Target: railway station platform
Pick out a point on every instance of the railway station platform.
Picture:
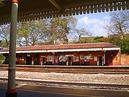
(43, 91)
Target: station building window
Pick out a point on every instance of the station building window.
(75, 58)
(50, 58)
(20, 60)
(62, 58)
(87, 59)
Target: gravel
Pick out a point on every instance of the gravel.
(121, 79)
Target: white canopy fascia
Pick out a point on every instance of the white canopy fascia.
(65, 50)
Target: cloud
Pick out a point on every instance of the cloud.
(87, 20)
(96, 25)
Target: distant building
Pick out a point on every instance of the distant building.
(118, 35)
(87, 39)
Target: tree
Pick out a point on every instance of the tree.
(38, 31)
(60, 28)
(82, 32)
(4, 34)
(32, 32)
(119, 23)
(119, 28)
(23, 32)
(122, 43)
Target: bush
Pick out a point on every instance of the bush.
(2, 58)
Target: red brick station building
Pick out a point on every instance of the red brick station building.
(87, 54)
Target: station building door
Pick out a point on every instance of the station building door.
(100, 61)
(28, 59)
(43, 60)
(69, 60)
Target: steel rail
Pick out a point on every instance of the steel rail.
(71, 69)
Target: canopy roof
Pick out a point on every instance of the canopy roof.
(33, 9)
(66, 48)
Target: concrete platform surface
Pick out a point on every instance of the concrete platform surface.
(42, 91)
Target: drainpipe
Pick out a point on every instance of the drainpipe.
(11, 89)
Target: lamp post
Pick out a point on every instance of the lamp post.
(11, 90)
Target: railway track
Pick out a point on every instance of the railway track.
(20, 82)
(70, 69)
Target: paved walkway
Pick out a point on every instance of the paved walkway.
(41, 91)
(22, 93)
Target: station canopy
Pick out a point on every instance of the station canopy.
(38, 9)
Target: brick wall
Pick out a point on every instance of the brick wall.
(124, 59)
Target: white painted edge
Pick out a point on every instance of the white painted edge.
(64, 50)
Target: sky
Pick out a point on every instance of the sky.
(95, 23)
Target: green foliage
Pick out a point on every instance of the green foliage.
(98, 39)
(3, 43)
(2, 58)
(125, 46)
(32, 32)
(117, 40)
(93, 39)
(119, 28)
(44, 31)
(60, 28)
(86, 40)
(4, 35)
(123, 43)
(51, 31)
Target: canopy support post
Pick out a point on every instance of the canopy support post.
(11, 89)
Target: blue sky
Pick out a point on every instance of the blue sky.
(95, 23)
